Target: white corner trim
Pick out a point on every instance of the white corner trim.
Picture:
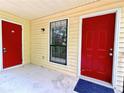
(116, 42)
(1, 52)
(1, 55)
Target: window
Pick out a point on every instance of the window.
(58, 41)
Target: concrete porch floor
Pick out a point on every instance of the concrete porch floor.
(35, 79)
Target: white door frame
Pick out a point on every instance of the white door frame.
(116, 46)
(1, 51)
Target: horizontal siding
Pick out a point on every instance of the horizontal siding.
(120, 68)
(39, 40)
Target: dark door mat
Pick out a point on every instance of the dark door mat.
(84, 86)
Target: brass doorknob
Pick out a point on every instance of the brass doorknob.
(110, 54)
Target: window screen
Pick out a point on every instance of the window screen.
(58, 41)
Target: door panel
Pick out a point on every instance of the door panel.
(12, 44)
(97, 44)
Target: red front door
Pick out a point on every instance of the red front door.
(97, 47)
(12, 44)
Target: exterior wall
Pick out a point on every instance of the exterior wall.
(26, 29)
(40, 45)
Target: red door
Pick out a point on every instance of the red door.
(12, 44)
(97, 47)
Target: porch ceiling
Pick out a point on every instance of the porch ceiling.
(31, 9)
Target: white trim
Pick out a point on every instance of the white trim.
(14, 67)
(116, 47)
(116, 42)
(49, 40)
(1, 53)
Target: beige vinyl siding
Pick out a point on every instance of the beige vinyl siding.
(40, 40)
(120, 69)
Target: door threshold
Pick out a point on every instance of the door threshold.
(12, 67)
(100, 82)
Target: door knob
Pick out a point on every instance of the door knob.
(4, 50)
(110, 54)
